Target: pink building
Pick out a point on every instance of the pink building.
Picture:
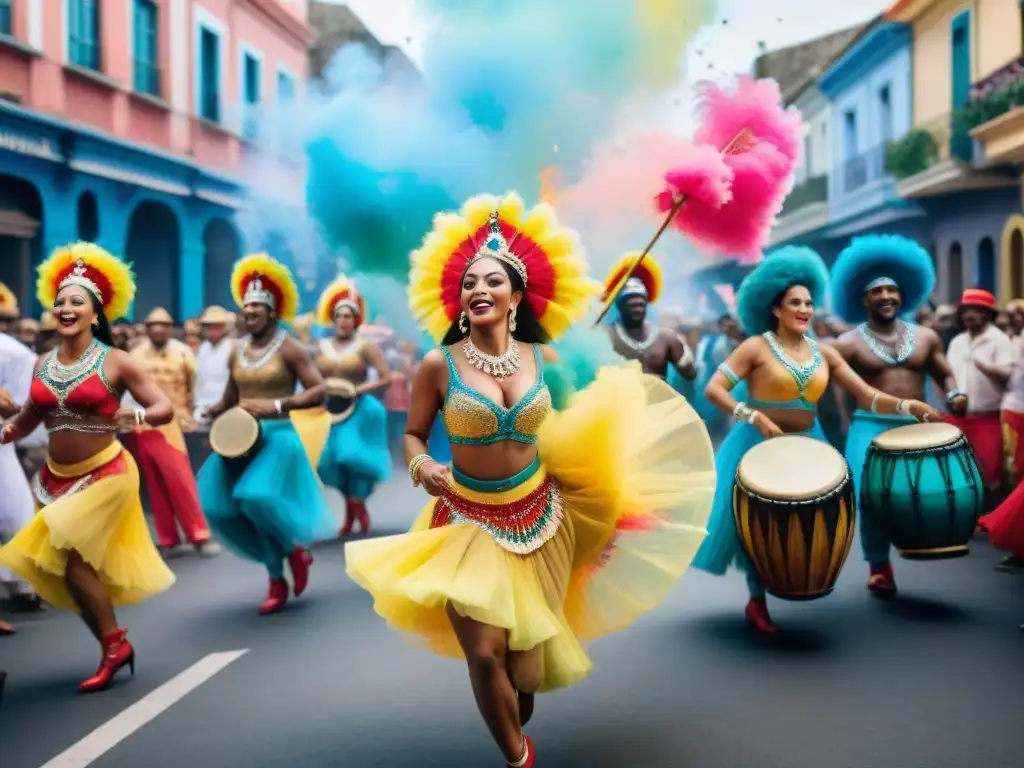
(131, 123)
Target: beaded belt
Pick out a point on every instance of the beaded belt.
(521, 526)
(48, 487)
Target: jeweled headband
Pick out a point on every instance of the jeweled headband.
(497, 247)
(78, 277)
(634, 287)
(347, 303)
(878, 282)
(255, 293)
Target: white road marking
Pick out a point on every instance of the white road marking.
(121, 726)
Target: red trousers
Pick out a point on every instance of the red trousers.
(172, 489)
(984, 431)
(1013, 445)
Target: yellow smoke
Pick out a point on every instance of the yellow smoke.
(549, 184)
(669, 25)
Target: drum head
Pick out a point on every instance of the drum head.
(233, 433)
(341, 399)
(917, 437)
(792, 468)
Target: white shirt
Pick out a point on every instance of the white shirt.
(17, 362)
(992, 347)
(212, 373)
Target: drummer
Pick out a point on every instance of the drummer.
(356, 456)
(875, 281)
(274, 508)
(787, 372)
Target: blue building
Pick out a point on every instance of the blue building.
(869, 87)
(172, 219)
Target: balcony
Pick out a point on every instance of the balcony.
(859, 171)
(805, 210)
(995, 114)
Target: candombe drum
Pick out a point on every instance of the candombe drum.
(793, 503)
(236, 436)
(923, 486)
(341, 399)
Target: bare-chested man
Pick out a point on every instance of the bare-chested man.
(875, 280)
(636, 339)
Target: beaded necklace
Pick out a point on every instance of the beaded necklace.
(905, 344)
(802, 372)
(61, 379)
(629, 341)
(248, 363)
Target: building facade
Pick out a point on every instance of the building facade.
(969, 191)
(133, 123)
(869, 87)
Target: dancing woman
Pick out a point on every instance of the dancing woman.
(356, 457)
(88, 548)
(506, 568)
(275, 507)
(786, 372)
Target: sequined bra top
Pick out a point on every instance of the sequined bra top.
(76, 397)
(266, 377)
(785, 384)
(471, 418)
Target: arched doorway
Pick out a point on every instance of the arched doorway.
(955, 264)
(985, 265)
(1016, 259)
(88, 217)
(21, 240)
(153, 246)
(1011, 261)
(222, 249)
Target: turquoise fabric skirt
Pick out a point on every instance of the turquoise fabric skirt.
(274, 505)
(721, 548)
(865, 426)
(356, 456)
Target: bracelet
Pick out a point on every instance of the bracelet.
(140, 416)
(874, 402)
(903, 407)
(278, 407)
(414, 467)
(753, 417)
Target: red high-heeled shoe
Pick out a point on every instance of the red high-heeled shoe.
(355, 512)
(299, 560)
(529, 756)
(277, 596)
(758, 617)
(117, 653)
(363, 517)
(882, 582)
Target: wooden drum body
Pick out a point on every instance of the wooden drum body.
(236, 436)
(341, 399)
(923, 486)
(793, 504)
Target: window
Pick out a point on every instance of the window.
(850, 134)
(84, 33)
(885, 113)
(285, 86)
(6, 20)
(808, 157)
(251, 93)
(145, 72)
(209, 75)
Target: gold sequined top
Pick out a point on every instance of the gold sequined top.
(262, 380)
(173, 368)
(346, 365)
(470, 418)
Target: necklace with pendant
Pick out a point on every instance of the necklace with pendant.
(629, 341)
(499, 366)
(904, 345)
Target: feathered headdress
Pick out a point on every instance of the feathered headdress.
(648, 274)
(341, 293)
(547, 256)
(874, 260)
(781, 269)
(260, 279)
(8, 301)
(88, 266)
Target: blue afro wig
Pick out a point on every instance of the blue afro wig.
(872, 257)
(780, 270)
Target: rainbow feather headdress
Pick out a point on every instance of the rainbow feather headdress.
(341, 293)
(648, 275)
(8, 301)
(547, 255)
(260, 279)
(87, 265)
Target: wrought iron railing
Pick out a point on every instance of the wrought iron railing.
(860, 170)
(811, 190)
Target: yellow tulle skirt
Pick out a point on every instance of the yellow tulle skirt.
(92, 508)
(616, 505)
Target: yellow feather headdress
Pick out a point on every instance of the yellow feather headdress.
(342, 290)
(8, 301)
(531, 241)
(260, 279)
(648, 273)
(87, 265)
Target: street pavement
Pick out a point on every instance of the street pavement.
(934, 679)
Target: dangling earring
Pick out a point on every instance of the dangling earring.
(95, 323)
(463, 323)
(512, 320)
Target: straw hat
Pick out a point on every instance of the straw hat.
(47, 322)
(216, 315)
(159, 316)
